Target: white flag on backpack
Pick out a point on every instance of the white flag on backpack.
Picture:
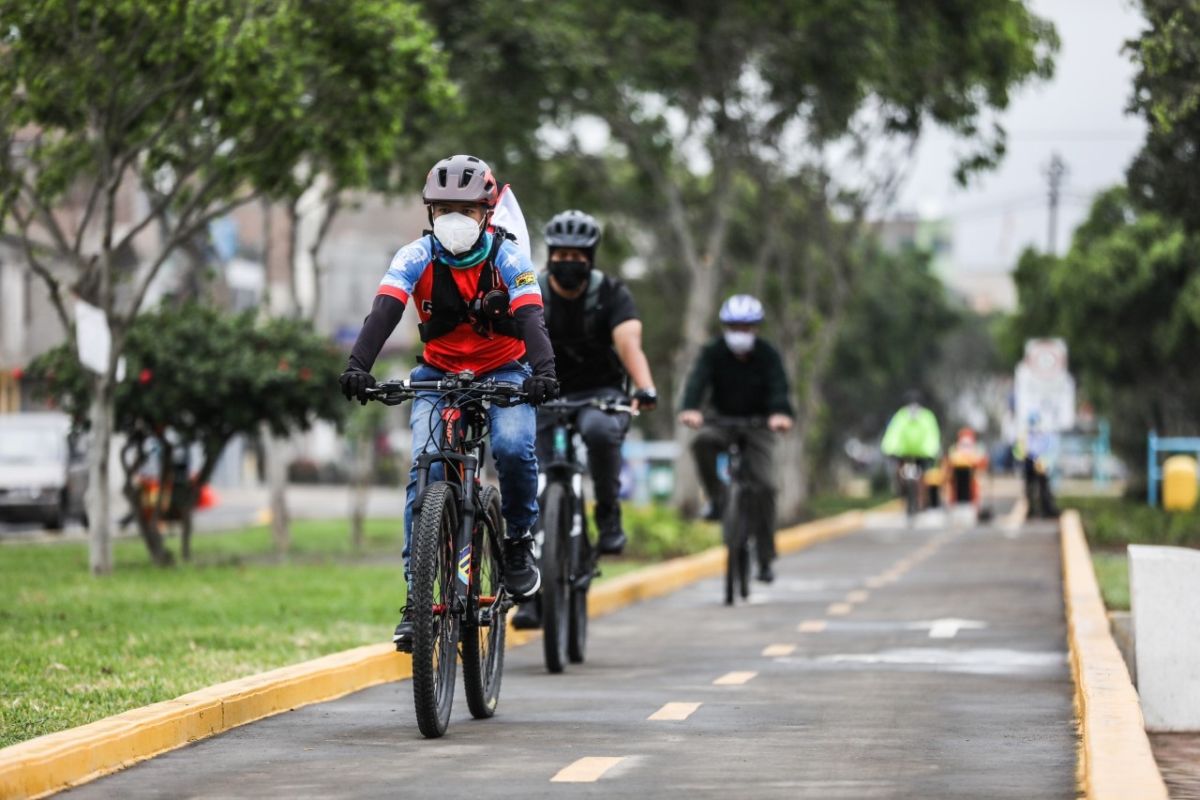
(508, 216)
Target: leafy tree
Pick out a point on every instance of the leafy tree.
(198, 106)
(1166, 94)
(197, 378)
(703, 105)
(1126, 298)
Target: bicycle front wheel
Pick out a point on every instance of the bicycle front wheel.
(435, 626)
(483, 642)
(556, 575)
(734, 534)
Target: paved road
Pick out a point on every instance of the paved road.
(237, 507)
(905, 663)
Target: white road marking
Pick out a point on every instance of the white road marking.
(734, 678)
(947, 628)
(858, 596)
(839, 609)
(586, 770)
(812, 626)
(674, 712)
(776, 650)
(876, 582)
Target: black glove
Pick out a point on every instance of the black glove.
(540, 388)
(647, 399)
(355, 383)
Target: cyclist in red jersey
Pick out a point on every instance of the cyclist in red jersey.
(480, 309)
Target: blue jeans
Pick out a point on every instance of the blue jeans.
(513, 435)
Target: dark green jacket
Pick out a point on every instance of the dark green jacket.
(754, 387)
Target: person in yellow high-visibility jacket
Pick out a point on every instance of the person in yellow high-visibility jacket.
(912, 436)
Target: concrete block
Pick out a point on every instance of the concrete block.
(1164, 587)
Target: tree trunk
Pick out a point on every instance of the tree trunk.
(100, 547)
(276, 452)
(364, 468)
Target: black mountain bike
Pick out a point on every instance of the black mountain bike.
(746, 522)
(456, 559)
(569, 556)
(912, 474)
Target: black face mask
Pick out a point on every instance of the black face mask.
(570, 274)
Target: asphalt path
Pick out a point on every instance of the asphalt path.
(894, 662)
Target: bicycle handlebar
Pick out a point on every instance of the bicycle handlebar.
(737, 423)
(603, 404)
(394, 392)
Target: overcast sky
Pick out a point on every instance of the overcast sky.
(1079, 112)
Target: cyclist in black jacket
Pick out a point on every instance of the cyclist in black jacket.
(741, 376)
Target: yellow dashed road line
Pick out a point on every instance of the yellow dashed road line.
(586, 770)
(734, 678)
(778, 650)
(674, 712)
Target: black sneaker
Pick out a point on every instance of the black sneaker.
(403, 637)
(521, 573)
(612, 538)
(765, 574)
(528, 616)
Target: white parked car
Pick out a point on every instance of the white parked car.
(43, 476)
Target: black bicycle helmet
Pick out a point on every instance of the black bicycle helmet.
(573, 229)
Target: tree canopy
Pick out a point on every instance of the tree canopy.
(196, 378)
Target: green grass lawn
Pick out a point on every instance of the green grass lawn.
(78, 649)
(1112, 573)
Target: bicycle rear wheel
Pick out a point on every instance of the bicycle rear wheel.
(556, 575)
(435, 626)
(581, 559)
(483, 641)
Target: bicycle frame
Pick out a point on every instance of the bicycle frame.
(462, 450)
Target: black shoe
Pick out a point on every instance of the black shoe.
(713, 512)
(528, 616)
(608, 523)
(403, 637)
(521, 574)
(765, 574)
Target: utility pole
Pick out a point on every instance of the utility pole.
(1056, 173)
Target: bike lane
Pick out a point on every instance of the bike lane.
(892, 662)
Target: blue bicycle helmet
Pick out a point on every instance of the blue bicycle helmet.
(741, 309)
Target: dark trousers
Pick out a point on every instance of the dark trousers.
(603, 434)
(1038, 493)
(757, 456)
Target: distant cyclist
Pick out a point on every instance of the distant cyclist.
(740, 375)
(480, 308)
(913, 433)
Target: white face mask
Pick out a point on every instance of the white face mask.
(739, 342)
(456, 232)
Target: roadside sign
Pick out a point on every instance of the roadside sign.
(1045, 387)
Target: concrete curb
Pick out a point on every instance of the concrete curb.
(1115, 759)
(60, 760)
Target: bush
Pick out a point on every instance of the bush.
(657, 532)
(1111, 522)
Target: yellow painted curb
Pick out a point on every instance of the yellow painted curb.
(1115, 760)
(57, 761)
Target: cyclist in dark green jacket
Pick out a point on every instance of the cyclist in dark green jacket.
(740, 375)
